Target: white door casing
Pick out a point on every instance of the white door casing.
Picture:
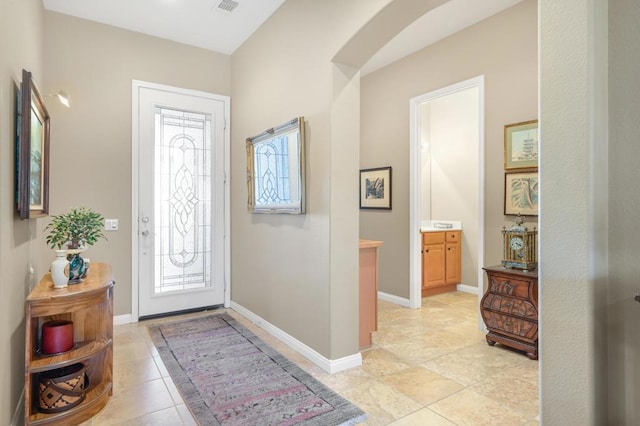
(180, 200)
(415, 161)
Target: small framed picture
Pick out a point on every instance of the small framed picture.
(521, 193)
(375, 188)
(521, 145)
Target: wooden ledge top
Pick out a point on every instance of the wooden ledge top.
(99, 277)
(512, 271)
(370, 243)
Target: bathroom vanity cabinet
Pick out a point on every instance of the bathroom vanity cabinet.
(441, 261)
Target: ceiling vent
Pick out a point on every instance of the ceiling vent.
(228, 5)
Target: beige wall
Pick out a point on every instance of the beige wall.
(300, 272)
(624, 245)
(91, 141)
(509, 65)
(20, 47)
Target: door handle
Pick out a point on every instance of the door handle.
(637, 297)
(145, 221)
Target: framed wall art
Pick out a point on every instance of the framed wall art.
(375, 188)
(32, 164)
(521, 193)
(521, 145)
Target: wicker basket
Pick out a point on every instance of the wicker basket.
(62, 389)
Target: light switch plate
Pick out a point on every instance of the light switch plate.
(111, 224)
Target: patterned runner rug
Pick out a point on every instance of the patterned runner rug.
(228, 376)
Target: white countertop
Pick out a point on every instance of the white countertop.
(440, 225)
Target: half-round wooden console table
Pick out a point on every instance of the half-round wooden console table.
(90, 306)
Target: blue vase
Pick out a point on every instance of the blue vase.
(77, 267)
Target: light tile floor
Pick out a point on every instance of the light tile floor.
(430, 366)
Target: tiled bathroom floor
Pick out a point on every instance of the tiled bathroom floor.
(428, 366)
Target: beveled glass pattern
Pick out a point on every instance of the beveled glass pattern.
(182, 200)
(275, 169)
(272, 172)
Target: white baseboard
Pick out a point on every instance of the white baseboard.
(391, 298)
(122, 319)
(18, 414)
(329, 365)
(467, 289)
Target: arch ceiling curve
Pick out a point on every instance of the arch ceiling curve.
(381, 29)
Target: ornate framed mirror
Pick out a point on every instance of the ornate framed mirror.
(275, 169)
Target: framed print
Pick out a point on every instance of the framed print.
(375, 188)
(521, 193)
(521, 145)
(32, 151)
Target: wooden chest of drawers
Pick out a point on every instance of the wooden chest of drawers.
(509, 309)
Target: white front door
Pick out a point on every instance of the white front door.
(181, 138)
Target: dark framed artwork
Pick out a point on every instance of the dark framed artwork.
(32, 165)
(521, 193)
(375, 188)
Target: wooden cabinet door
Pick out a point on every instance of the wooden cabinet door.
(433, 265)
(453, 264)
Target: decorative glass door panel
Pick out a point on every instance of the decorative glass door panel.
(182, 201)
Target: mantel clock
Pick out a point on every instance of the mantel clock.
(520, 246)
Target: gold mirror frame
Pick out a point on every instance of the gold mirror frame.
(276, 171)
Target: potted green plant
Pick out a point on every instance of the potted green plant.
(75, 231)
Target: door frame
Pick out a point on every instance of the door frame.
(415, 191)
(136, 85)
